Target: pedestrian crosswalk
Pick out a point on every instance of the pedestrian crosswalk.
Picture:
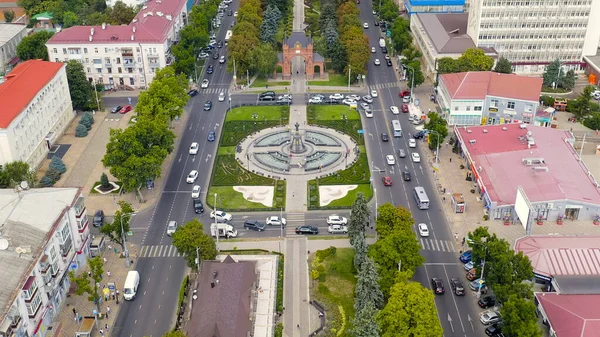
(293, 220)
(159, 251)
(437, 245)
(384, 85)
(213, 91)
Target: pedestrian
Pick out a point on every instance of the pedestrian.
(450, 159)
(108, 273)
(89, 273)
(298, 326)
(74, 312)
(107, 311)
(101, 332)
(113, 295)
(104, 259)
(444, 198)
(106, 327)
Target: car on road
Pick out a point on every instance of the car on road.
(210, 69)
(116, 109)
(221, 96)
(230, 13)
(276, 221)
(373, 50)
(457, 287)
(388, 62)
(203, 55)
(196, 192)
(412, 143)
(283, 101)
(387, 181)
(335, 219)
(267, 93)
(404, 108)
(194, 148)
(266, 98)
(222, 59)
(365, 106)
(377, 62)
(353, 97)
(489, 317)
(486, 302)
(406, 174)
(394, 110)
(336, 96)
(284, 97)
(192, 176)
(337, 229)
(207, 105)
(306, 229)
(221, 216)
(468, 266)
(390, 159)
(125, 109)
(219, 44)
(415, 157)
(198, 207)
(204, 84)
(98, 218)
(171, 228)
(192, 93)
(315, 100)
(374, 93)
(384, 50)
(423, 229)
(438, 285)
(466, 256)
(211, 136)
(368, 99)
(365, 25)
(494, 330)
(401, 153)
(376, 23)
(254, 225)
(385, 137)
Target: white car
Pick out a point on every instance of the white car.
(348, 101)
(221, 97)
(390, 159)
(275, 221)
(368, 99)
(220, 216)
(374, 93)
(336, 220)
(336, 96)
(412, 142)
(235, 14)
(171, 227)
(194, 148)
(377, 62)
(368, 113)
(196, 192)
(406, 99)
(373, 50)
(353, 97)
(191, 178)
(395, 110)
(315, 100)
(423, 230)
(204, 84)
(489, 317)
(337, 229)
(203, 55)
(365, 25)
(415, 157)
(222, 59)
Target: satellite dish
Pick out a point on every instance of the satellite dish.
(3, 244)
(24, 185)
(19, 250)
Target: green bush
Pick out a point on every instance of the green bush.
(104, 181)
(53, 174)
(89, 117)
(86, 123)
(325, 253)
(593, 122)
(81, 131)
(47, 181)
(547, 100)
(182, 291)
(279, 300)
(279, 330)
(58, 164)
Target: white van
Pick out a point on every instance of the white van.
(132, 283)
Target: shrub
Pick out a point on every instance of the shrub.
(81, 131)
(593, 122)
(279, 330)
(547, 100)
(86, 123)
(104, 181)
(58, 164)
(46, 181)
(88, 116)
(53, 174)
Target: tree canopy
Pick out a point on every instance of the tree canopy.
(473, 59)
(90, 284)
(166, 96)
(503, 66)
(191, 236)
(13, 173)
(82, 91)
(519, 315)
(359, 217)
(392, 218)
(33, 47)
(120, 224)
(438, 128)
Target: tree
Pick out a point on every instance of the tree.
(86, 123)
(104, 181)
(33, 47)
(70, 19)
(553, 74)
(520, 318)
(191, 236)
(9, 15)
(58, 164)
(268, 29)
(359, 217)
(503, 66)
(410, 312)
(90, 283)
(81, 131)
(367, 287)
(447, 65)
(474, 59)
(419, 78)
(401, 37)
(119, 227)
(569, 80)
(166, 95)
(120, 14)
(13, 173)
(364, 324)
(437, 125)
(82, 91)
(582, 104)
(263, 59)
(361, 248)
(391, 219)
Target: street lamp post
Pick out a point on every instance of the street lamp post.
(124, 238)
(216, 226)
(375, 191)
(483, 240)
(437, 150)
(412, 81)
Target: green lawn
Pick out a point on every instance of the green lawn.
(331, 112)
(262, 83)
(335, 80)
(228, 199)
(346, 201)
(334, 288)
(245, 113)
(226, 150)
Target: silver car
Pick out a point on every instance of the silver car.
(401, 153)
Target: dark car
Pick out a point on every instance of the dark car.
(401, 153)
(216, 56)
(385, 137)
(389, 63)
(419, 135)
(267, 93)
(254, 225)
(487, 302)
(406, 174)
(494, 330)
(220, 44)
(376, 23)
(211, 136)
(198, 207)
(307, 230)
(230, 13)
(457, 287)
(329, 101)
(98, 218)
(266, 98)
(209, 69)
(207, 105)
(438, 285)
(116, 109)
(384, 50)
(192, 92)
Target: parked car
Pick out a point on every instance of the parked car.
(438, 285)
(368, 99)
(419, 135)
(315, 100)
(116, 109)
(384, 50)
(489, 317)
(254, 225)
(336, 220)
(126, 109)
(404, 93)
(486, 302)
(494, 330)
(353, 97)
(306, 229)
(336, 96)
(468, 266)
(457, 287)
(472, 274)
(388, 62)
(475, 284)
(466, 256)
(221, 216)
(337, 229)
(98, 218)
(171, 228)
(404, 108)
(387, 181)
(276, 221)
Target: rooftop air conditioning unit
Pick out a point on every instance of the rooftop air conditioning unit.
(469, 131)
(485, 131)
(472, 141)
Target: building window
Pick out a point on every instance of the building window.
(106, 50)
(120, 70)
(85, 50)
(34, 305)
(118, 60)
(65, 51)
(54, 50)
(131, 81)
(99, 70)
(494, 103)
(528, 108)
(56, 59)
(456, 108)
(468, 108)
(109, 70)
(510, 105)
(89, 70)
(477, 108)
(96, 50)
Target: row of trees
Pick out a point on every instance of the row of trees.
(328, 44)
(556, 77)
(402, 43)
(353, 39)
(135, 154)
(473, 59)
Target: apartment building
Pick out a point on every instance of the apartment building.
(11, 35)
(36, 110)
(44, 235)
(533, 33)
(128, 56)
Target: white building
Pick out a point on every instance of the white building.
(44, 235)
(10, 36)
(124, 57)
(533, 33)
(36, 109)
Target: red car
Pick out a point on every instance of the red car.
(404, 93)
(404, 108)
(387, 181)
(125, 109)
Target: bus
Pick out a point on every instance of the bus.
(396, 128)
(228, 35)
(421, 197)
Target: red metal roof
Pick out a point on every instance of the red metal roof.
(572, 315)
(479, 84)
(499, 153)
(22, 84)
(151, 24)
(562, 255)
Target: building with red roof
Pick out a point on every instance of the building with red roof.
(124, 57)
(570, 315)
(36, 109)
(485, 97)
(541, 160)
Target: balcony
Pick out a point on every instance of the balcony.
(82, 224)
(128, 63)
(29, 289)
(44, 264)
(79, 208)
(154, 65)
(126, 53)
(65, 248)
(152, 55)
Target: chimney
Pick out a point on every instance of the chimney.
(132, 37)
(91, 31)
(91, 38)
(103, 25)
(134, 29)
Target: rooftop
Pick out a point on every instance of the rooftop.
(10, 30)
(22, 84)
(447, 31)
(151, 24)
(554, 172)
(223, 307)
(554, 256)
(577, 285)
(572, 315)
(26, 218)
(479, 84)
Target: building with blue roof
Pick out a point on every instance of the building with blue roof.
(434, 6)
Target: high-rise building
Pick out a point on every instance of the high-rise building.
(533, 33)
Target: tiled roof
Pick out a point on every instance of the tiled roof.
(22, 84)
(478, 84)
(572, 315)
(151, 24)
(447, 31)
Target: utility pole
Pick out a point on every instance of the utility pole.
(124, 238)
(247, 79)
(234, 77)
(349, 72)
(216, 226)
